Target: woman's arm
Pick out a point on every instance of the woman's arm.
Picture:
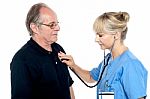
(84, 74)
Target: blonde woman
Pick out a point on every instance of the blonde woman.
(120, 72)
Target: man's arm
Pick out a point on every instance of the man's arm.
(20, 83)
(72, 93)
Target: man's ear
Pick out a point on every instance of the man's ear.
(34, 27)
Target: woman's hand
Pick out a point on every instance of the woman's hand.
(67, 59)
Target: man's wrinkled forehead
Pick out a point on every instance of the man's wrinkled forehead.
(45, 10)
(47, 14)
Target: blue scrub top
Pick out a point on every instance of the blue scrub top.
(125, 76)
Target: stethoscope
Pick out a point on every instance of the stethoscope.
(106, 61)
(105, 64)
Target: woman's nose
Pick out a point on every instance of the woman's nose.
(97, 38)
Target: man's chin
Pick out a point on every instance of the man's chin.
(55, 39)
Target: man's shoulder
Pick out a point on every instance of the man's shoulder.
(23, 51)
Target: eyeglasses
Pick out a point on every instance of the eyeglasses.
(51, 25)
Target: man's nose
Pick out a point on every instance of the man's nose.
(57, 28)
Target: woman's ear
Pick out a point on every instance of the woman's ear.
(117, 35)
(34, 27)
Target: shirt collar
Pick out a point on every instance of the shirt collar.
(36, 46)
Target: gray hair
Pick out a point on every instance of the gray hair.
(33, 15)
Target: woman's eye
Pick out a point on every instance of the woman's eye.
(100, 35)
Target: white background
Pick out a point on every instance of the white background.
(76, 19)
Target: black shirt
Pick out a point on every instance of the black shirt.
(38, 74)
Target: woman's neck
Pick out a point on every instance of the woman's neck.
(118, 50)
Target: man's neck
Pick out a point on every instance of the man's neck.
(43, 43)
